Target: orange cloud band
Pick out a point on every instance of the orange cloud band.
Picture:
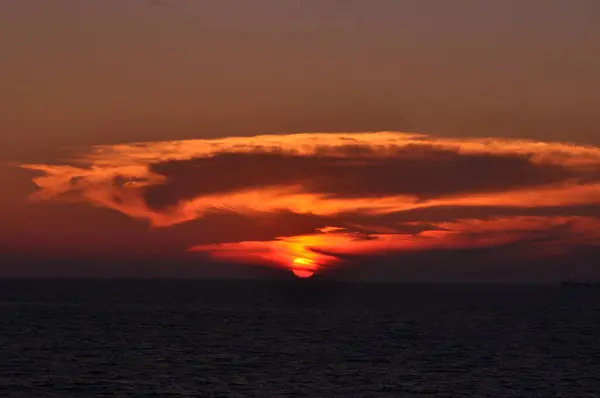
(371, 175)
(544, 235)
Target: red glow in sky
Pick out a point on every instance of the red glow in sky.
(376, 194)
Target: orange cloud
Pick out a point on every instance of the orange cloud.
(341, 177)
(330, 245)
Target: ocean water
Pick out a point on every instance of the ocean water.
(161, 338)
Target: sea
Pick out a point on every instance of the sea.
(296, 338)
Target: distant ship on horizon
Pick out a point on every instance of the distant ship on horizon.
(571, 283)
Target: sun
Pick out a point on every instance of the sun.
(303, 267)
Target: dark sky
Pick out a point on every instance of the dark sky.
(81, 73)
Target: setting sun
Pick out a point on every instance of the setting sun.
(303, 267)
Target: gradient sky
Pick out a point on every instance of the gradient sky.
(75, 74)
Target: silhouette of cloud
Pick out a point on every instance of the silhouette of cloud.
(424, 173)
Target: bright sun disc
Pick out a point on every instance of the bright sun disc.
(303, 267)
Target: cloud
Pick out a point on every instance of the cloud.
(420, 172)
(333, 245)
(375, 192)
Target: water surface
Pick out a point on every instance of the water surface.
(161, 338)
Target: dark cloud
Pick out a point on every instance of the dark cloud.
(428, 215)
(422, 171)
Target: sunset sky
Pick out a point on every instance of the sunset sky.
(415, 140)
